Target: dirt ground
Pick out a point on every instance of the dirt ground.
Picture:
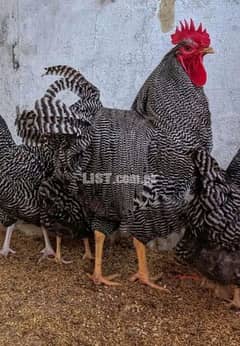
(50, 304)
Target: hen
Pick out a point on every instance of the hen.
(169, 117)
(21, 171)
(212, 240)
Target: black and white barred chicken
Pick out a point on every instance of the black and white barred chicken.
(26, 168)
(212, 239)
(22, 169)
(116, 149)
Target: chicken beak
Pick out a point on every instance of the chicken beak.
(208, 50)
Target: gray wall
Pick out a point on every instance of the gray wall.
(116, 44)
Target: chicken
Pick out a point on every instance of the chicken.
(169, 99)
(221, 267)
(169, 117)
(22, 169)
(212, 239)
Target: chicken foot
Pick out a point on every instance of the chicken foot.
(235, 302)
(87, 250)
(5, 250)
(48, 250)
(142, 274)
(97, 276)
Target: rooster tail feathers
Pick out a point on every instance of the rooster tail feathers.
(87, 105)
(56, 87)
(74, 80)
(51, 116)
(65, 71)
(89, 95)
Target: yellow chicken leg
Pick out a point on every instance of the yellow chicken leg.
(97, 276)
(142, 274)
(235, 303)
(87, 250)
(222, 292)
(58, 256)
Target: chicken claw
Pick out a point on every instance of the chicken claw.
(100, 279)
(6, 245)
(61, 260)
(5, 251)
(147, 281)
(48, 253)
(142, 274)
(235, 302)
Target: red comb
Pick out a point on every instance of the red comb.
(188, 31)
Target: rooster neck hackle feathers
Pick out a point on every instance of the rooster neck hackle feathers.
(173, 103)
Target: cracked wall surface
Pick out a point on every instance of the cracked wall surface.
(116, 44)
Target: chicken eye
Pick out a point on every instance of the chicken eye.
(188, 48)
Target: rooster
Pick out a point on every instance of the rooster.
(169, 117)
(212, 239)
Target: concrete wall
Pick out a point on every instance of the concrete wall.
(116, 44)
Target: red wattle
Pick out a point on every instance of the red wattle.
(195, 69)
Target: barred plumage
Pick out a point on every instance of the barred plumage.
(180, 114)
(59, 206)
(164, 99)
(212, 240)
(21, 173)
(233, 170)
(214, 214)
(51, 116)
(89, 96)
(24, 168)
(33, 130)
